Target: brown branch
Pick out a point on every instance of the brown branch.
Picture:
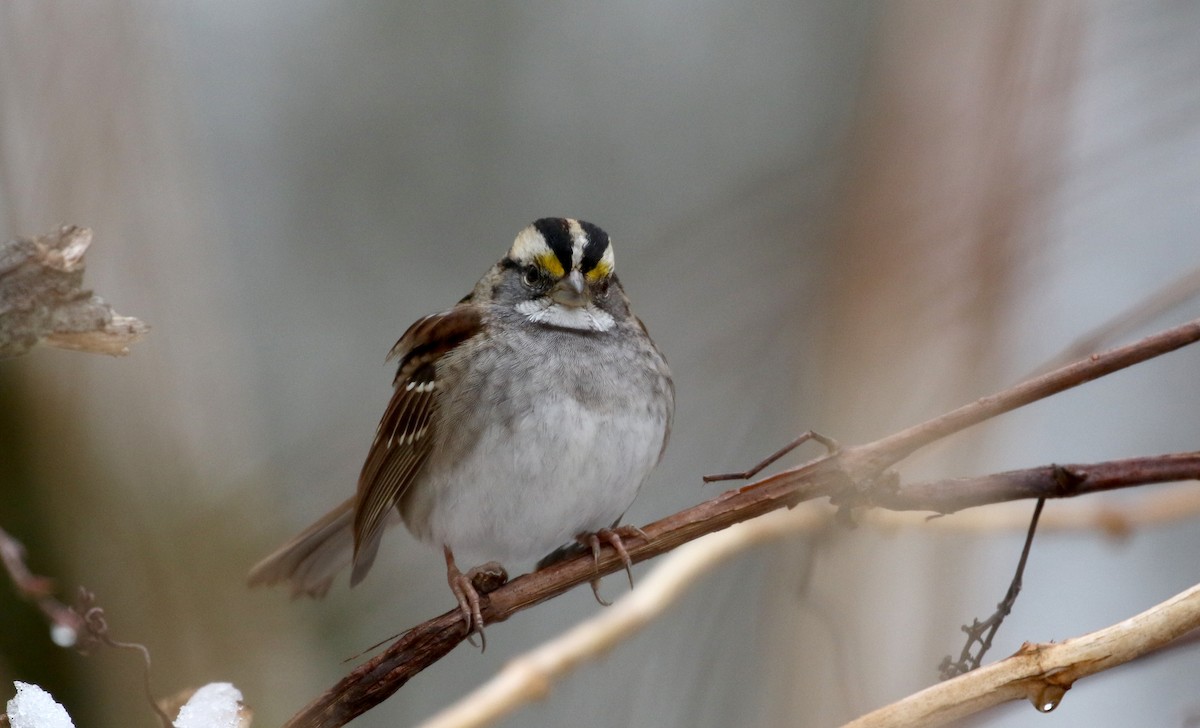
(42, 298)
(845, 475)
(1048, 481)
(1112, 520)
(881, 454)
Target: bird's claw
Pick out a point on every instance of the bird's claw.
(614, 537)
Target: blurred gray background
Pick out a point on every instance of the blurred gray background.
(847, 216)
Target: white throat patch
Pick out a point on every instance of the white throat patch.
(584, 318)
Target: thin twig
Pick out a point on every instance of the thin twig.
(96, 632)
(982, 633)
(841, 475)
(830, 447)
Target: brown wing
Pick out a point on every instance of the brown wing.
(403, 439)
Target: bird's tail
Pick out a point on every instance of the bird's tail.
(309, 561)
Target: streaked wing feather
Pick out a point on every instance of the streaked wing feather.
(403, 438)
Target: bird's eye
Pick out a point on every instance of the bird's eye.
(533, 277)
(601, 289)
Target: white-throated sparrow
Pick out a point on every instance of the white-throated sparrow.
(523, 418)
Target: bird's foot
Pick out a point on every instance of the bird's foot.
(614, 537)
(468, 588)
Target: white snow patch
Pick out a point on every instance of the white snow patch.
(35, 708)
(213, 706)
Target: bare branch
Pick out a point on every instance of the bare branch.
(1112, 520)
(42, 299)
(1048, 481)
(881, 454)
(854, 476)
(1042, 673)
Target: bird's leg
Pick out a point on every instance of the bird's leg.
(467, 589)
(613, 537)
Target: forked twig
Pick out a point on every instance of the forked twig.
(982, 633)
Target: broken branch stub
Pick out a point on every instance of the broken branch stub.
(42, 299)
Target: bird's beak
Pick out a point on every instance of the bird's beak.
(571, 291)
